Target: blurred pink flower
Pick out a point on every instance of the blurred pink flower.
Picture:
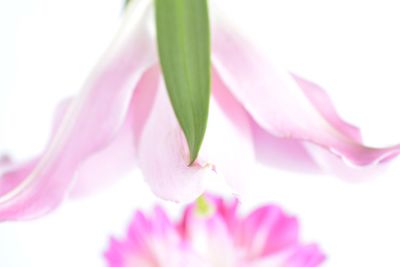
(265, 237)
(123, 119)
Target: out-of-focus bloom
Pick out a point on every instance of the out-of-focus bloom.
(223, 238)
(123, 119)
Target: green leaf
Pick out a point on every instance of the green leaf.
(183, 34)
(126, 3)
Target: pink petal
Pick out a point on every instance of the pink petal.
(119, 157)
(283, 153)
(298, 256)
(114, 160)
(228, 144)
(286, 107)
(215, 239)
(266, 231)
(114, 255)
(5, 161)
(163, 155)
(151, 241)
(163, 152)
(227, 211)
(306, 256)
(321, 101)
(209, 235)
(90, 124)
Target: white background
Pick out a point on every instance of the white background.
(352, 48)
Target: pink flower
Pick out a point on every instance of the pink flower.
(123, 119)
(265, 237)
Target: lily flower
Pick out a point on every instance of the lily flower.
(123, 119)
(223, 238)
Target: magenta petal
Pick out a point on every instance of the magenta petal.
(279, 232)
(306, 256)
(266, 237)
(90, 124)
(289, 108)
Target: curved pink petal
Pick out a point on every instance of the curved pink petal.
(331, 163)
(286, 107)
(268, 148)
(105, 166)
(163, 154)
(228, 143)
(321, 101)
(283, 153)
(163, 151)
(119, 156)
(90, 124)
